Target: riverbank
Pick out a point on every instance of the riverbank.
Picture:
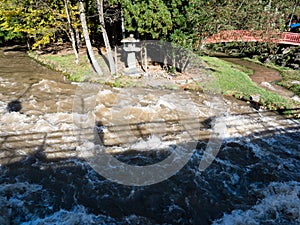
(290, 79)
(233, 79)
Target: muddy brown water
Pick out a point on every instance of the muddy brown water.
(45, 179)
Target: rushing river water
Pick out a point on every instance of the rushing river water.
(44, 178)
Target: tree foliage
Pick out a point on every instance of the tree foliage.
(147, 17)
(186, 22)
(39, 21)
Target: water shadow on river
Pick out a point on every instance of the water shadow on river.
(39, 187)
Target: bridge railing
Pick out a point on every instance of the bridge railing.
(253, 36)
(290, 37)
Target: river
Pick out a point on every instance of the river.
(46, 178)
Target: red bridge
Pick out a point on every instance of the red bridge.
(254, 36)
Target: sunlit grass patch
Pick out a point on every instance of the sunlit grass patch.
(234, 82)
(66, 64)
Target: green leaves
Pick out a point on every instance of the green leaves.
(38, 21)
(186, 22)
(151, 17)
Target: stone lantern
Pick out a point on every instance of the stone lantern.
(130, 48)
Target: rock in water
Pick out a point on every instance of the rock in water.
(14, 106)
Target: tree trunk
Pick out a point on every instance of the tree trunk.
(105, 37)
(71, 31)
(88, 43)
(122, 22)
(78, 37)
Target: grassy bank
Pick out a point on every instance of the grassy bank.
(235, 82)
(233, 79)
(83, 71)
(66, 64)
(290, 78)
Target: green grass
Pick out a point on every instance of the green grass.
(66, 64)
(234, 82)
(290, 77)
(290, 80)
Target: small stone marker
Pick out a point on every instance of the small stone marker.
(130, 48)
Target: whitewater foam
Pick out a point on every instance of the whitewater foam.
(280, 205)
